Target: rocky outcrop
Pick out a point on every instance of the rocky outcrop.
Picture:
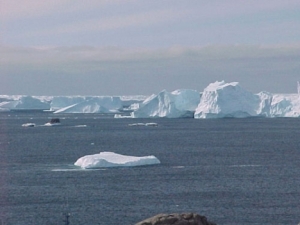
(176, 219)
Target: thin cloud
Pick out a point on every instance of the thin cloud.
(117, 22)
(145, 23)
(14, 9)
(85, 54)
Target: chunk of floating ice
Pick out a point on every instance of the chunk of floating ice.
(51, 124)
(152, 124)
(111, 159)
(28, 125)
(143, 124)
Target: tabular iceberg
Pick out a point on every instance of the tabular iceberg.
(179, 103)
(111, 159)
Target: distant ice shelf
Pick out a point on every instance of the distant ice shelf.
(217, 100)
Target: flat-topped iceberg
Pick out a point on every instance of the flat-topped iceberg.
(111, 159)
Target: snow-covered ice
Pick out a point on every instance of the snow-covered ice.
(111, 159)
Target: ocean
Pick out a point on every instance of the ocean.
(233, 171)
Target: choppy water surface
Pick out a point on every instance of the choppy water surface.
(233, 171)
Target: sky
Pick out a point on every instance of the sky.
(141, 47)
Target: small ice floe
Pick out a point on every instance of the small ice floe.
(53, 122)
(28, 125)
(119, 116)
(80, 126)
(111, 159)
(250, 165)
(143, 124)
(151, 124)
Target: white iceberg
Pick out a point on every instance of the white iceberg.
(222, 99)
(179, 103)
(111, 159)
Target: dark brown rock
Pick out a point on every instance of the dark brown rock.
(176, 219)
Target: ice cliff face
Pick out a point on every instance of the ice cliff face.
(179, 103)
(222, 99)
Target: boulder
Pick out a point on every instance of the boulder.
(176, 219)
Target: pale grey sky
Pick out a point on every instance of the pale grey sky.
(122, 47)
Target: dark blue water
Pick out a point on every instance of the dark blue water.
(233, 171)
